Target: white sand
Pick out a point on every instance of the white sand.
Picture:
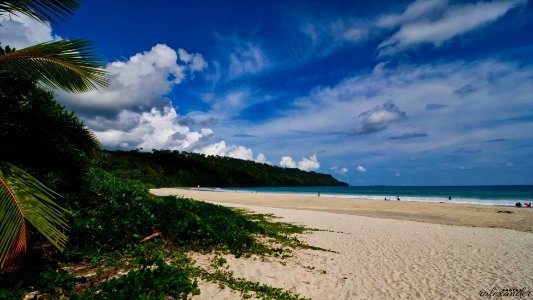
(390, 259)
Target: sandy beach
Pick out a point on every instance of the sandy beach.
(387, 249)
(447, 213)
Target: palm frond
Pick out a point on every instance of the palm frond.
(37, 203)
(69, 65)
(13, 230)
(40, 10)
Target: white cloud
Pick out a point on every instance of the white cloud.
(338, 170)
(326, 36)
(194, 61)
(321, 117)
(416, 10)
(137, 84)
(246, 59)
(306, 164)
(156, 129)
(287, 162)
(420, 24)
(233, 151)
(161, 129)
(22, 31)
(361, 169)
(379, 118)
(261, 158)
(133, 112)
(309, 164)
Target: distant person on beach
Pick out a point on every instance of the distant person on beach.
(518, 204)
(450, 198)
(398, 198)
(319, 194)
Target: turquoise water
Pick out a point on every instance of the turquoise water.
(485, 195)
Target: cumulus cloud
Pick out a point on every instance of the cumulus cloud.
(156, 129)
(287, 162)
(360, 169)
(306, 164)
(261, 158)
(309, 164)
(221, 149)
(435, 22)
(234, 151)
(194, 61)
(137, 84)
(161, 129)
(134, 112)
(379, 118)
(22, 31)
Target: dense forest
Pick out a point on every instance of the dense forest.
(165, 168)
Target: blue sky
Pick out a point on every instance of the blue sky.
(429, 92)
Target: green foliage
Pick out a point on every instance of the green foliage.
(164, 168)
(47, 281)
(247, 287)
(111, 218)
(40, 135)
(123, 212)
(149, 282)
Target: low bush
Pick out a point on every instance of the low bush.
(111, 219)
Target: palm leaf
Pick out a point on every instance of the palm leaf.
(37, 207)
(13, 230)
(69, 65)
(40, 10)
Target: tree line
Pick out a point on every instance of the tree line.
(166, 168)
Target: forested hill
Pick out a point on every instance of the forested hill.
(165, 168)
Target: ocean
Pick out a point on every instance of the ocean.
(506, 195)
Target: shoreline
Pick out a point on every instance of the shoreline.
(458, 214)
(506, 202)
